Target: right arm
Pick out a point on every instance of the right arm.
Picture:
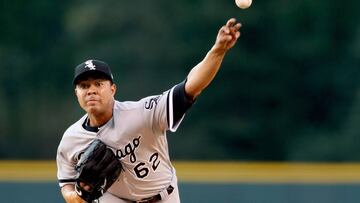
(70, 195)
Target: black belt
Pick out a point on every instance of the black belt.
(155, 198)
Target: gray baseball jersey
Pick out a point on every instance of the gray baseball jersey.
(137, 135)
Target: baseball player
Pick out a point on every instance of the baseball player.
(135, 131)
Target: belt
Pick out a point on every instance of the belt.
(157, 197)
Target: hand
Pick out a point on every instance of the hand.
(74, 198)
(227, 36)
(69, 194)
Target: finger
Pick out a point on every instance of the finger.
(235, 29)
(237, 26)
(225, 30)
(237, 35)
(230, 22)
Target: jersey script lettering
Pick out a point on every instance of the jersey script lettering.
(129, 149)
(152, 102)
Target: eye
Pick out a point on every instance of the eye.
(83, 86)
(99, 84)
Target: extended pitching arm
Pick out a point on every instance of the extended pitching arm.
(204, 72)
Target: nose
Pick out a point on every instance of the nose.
(92, 90)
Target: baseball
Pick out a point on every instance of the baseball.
(243, 4)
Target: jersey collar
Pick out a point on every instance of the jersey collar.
(86, 126)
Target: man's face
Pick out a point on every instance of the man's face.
(95, 96)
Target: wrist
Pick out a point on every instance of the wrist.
(217, 51)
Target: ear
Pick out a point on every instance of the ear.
(75, 91)
(113, 89)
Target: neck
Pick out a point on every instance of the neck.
(99, 119)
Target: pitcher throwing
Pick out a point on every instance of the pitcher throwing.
(135, 133)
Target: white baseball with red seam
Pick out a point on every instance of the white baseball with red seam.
(243, 4)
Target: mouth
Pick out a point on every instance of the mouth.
(92, 100)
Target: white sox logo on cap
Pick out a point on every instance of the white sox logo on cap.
(89, 64)
(94, 67)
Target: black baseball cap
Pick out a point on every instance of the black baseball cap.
(93, 68)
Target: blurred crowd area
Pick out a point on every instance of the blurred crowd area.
(288, 91)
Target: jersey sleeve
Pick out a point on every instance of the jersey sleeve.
(168, 110)
(65, 168)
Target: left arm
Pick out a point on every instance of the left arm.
(204, 72)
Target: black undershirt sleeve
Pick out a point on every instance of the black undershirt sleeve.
(181, 101)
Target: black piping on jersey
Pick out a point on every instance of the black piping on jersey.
(167, 109)
(67, 180)
(181, 103)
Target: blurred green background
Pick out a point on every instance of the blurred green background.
(288, 91)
